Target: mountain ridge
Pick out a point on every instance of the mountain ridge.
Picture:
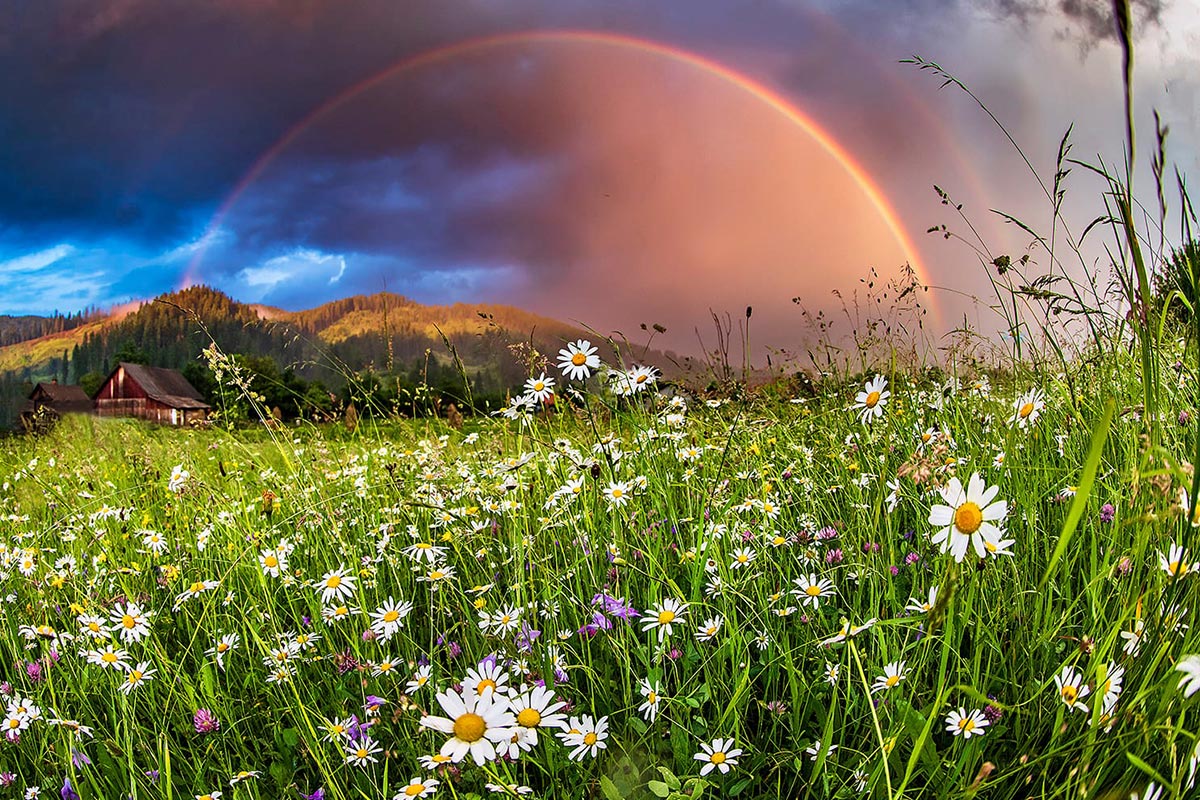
(490, 346)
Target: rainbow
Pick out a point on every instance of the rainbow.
(763, 93)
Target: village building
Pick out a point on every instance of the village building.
(151, 393)
(49, 401)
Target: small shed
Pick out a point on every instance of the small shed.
(49, 401)
(152, 393)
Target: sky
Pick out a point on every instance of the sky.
(612, 163)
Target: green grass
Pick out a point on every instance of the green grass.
(996, 630)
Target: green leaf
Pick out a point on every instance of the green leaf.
(1150, 771)
(669, 777)
(610, 789)
(658, 788)
(739, 787)
(290, 737)
(914, 725)
(1099, 437)
(208, 681)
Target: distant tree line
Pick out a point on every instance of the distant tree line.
(399, 370)
(24, 328)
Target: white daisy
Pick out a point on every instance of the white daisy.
(968, 520)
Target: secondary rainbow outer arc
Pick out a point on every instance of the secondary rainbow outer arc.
(760, 91)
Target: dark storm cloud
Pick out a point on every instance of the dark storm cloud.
(128, 115)
(1089, 21)
(128, 123)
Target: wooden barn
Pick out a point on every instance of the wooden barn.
(152, 393)
(49, 401)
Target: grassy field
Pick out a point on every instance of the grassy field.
(976, 579)
(271, 612)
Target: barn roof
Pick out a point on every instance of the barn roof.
(167, 386)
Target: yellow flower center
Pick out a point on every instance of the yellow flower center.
(361, 752)
(966, 724)
(872, 400)
(94, 627)
(968, 518)
(641, 379)
(590, 739)
(109, 658)
(892, 680)
(134, 676)
(1069, 693)
(539, 386)
(813, 590)
(196, 587)
(436, 575)
(334, 581)
(391, 616)
(486, 683)
(529, 718)
(717, 757)
(666, 617)
(414, 789)
(422, 545)
(1025, 411)
(469, 727)
(1177, 567)
(616, 493)
(14, 723)
(742, 558)
(271, 561)
(652, 698)
(128, 621)
(579, 359)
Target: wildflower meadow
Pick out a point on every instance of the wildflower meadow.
(972, 575)
(921, 588)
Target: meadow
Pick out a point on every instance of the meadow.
(969, 576)
(929, 585)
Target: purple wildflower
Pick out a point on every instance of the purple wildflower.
(834, 556)
(205, 721)
(67, 792)
(1107, 513)
(527, 637)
